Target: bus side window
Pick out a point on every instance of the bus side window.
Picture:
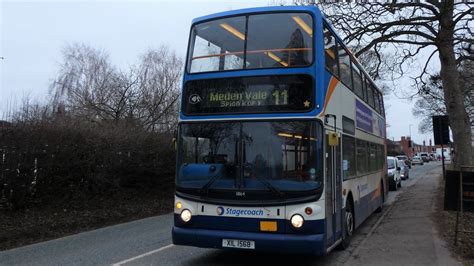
(362, 157)
(373, 157)
(380, 156)
(382, 111)
(330, 51)
(358, 89)
(345, 66)
(366, 88)
(370, 95)
(377, 101)
(348, 157)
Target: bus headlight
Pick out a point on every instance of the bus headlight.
(186, 215)
(297, 221)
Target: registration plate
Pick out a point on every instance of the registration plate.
(236, 243)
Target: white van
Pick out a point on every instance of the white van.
(393, 172)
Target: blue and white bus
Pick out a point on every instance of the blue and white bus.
(281, 140)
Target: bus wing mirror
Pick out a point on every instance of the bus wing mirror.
(333, 139)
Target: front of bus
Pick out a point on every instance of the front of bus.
(250, 154)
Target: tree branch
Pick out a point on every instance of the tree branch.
(461, 15)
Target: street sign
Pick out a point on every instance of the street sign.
(441, 129)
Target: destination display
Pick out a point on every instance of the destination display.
(249, 95)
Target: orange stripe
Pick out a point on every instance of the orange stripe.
(378, 192)
(332, 85)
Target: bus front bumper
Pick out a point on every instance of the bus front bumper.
(204, 238)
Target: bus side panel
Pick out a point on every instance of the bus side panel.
(340, 101)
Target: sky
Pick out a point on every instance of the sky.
(33, 34)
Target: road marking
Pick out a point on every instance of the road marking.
(143, 255)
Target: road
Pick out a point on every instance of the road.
(148, 241)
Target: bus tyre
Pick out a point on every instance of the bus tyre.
(380, 208)
(348, 226)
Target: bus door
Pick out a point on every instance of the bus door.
(333, 188)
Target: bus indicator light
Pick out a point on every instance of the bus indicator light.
(268, 226)
(308, 211)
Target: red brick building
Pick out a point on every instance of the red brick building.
(410, 148)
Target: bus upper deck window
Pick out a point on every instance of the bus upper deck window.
(249, 42)
(330, 51)
(279, 40)
(217, 45)
(345, 66)
(358, 81)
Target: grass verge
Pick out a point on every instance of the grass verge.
(446, 221)
(32, 225)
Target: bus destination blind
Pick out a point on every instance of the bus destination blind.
(249, 95)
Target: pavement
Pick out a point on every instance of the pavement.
(407, 234)
(403, 234)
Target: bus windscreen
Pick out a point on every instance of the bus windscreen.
(249, 95)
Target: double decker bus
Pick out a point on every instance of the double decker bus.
(281, 140)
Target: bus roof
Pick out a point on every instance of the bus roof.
(255, 10)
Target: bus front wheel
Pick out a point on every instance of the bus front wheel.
(348, 226)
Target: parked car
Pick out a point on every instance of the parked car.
(393, 173)
(405, 159)
(404, 170)
(417, 160)
(424, 156)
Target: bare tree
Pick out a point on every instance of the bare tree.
(85, 83)
(429, 103)
(408, 28)
(90, 88)
(431, 100)
(158, 77)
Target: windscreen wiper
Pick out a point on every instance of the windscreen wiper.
(205, 189)
(271, 187)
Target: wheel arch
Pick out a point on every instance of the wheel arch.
(350, 199)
